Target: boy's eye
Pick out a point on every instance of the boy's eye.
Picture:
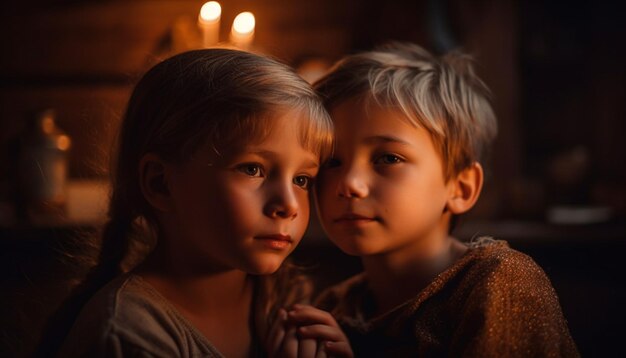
(303, 181)
(253, 170)
(388, 159)
(332, 163)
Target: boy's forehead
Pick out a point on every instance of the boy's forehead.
(371, 125)
(363, 114)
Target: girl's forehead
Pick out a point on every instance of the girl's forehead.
(291, 129)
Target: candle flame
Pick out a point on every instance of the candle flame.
(210, 11)
(244, 23)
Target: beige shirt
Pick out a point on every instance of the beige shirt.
(129, 318)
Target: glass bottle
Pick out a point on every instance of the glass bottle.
(43, 167)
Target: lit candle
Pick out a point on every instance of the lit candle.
(242, 32)
(209, 23)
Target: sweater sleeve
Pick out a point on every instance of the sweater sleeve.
(512, 310)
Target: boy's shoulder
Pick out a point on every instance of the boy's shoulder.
(494, 301)
(493, 264)
(495, 256)
(488, 266)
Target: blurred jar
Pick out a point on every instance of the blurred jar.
(43, 167)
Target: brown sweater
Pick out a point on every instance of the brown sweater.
(493, 302)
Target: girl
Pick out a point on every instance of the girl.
(217, 152)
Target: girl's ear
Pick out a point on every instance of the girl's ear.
(153, 181)
(465, 189)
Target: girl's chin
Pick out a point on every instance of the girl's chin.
(265, 267)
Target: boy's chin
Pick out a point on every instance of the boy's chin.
(357, 249)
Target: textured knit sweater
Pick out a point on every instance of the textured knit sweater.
(493, 302)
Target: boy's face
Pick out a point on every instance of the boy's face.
(250, 209)
(384, 190)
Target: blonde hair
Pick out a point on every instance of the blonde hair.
(443, 95)
(222, 97)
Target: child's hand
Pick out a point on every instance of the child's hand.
(320, 326)
(283, 341)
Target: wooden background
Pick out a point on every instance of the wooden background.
(556, 70)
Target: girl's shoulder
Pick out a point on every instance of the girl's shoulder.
(129, 316)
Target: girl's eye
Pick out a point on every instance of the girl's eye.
(303, 181)
(388, 159)
(253, 170)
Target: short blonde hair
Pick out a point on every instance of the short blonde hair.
(441, 94)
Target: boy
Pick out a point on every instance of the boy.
(410, 131)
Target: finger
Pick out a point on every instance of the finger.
(322, 332)
(321, 350)
(304, 314)
(307, 348)
(338, 349)
(276, 334)
(290, 343)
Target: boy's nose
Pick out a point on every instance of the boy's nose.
(352, 184)
(283, 202)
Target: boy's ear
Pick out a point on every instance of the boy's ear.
(153, 181)
(465, 189)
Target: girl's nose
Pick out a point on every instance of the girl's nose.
(352, 184)
(283, 202)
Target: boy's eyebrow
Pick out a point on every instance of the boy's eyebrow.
(310, 164)
(385, 139)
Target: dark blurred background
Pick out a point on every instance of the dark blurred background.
(555, 181)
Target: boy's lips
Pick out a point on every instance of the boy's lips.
(352, 218)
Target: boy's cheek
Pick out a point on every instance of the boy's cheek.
(327, 179)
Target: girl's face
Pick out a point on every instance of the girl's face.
(248, 209)
(384, 190)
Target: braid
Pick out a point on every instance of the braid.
(116, 238)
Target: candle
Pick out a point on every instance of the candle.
(242, 32)
(209, 23)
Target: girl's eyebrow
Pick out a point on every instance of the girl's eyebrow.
(267, 154)
(385, 139)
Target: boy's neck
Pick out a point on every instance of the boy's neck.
(397, 276)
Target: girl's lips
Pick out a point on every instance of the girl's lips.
(275, 241)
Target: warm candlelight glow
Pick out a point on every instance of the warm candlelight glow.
(63, 142)
(242, 32)
(209, 23)
(47, 125)
(211, 11)
(244, 23)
